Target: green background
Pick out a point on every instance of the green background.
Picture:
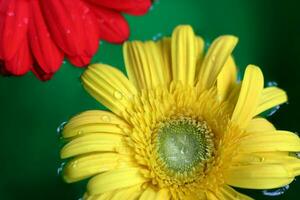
(32, 110)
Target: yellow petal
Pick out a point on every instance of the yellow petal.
(234, 94)
(228, 193)
(264, 176)
(271, 141)
(214, 61)
(85, 166)
(164, 47)
(249, 96)
(291, 163)
(212, 196)
(152, 194)
(95, 121)
(109, 86)
(105, 196)
(259, 124)
(144, 64)
(115, 179)
(183, 54)
(199, 50)
(227, 78)
(93, 142)
(270, 97)
(129, 193)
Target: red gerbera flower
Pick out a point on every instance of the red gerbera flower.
(37, 34)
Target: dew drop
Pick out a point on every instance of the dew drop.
(64, 62)
(157, 36)
(272, 111)
(11, 14)
(276, 192)
(207, 45)
(60, 168)
(74, 165)
(261, 159)
(213, 58)
(272, 83)
(68, 31)
(79, 132)
(118, 95)
(105, 118)
(25, 20)
(86, 10)
(60, 128)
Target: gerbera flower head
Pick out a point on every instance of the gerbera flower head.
(36, 35)
(181, 126)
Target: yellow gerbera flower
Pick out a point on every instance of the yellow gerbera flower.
(181, 126)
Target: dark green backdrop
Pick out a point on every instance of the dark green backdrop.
(30, 110)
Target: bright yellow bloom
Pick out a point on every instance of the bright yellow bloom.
(181, 126)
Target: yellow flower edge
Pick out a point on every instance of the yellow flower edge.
(180, 127)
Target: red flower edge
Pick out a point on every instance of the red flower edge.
(36, 35)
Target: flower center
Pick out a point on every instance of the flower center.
(183, 144)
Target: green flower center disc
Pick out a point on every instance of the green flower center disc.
(184, 143)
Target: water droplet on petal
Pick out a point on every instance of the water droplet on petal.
(86, 10)
(25, 20)
(105, 118)
(276, 192)
(60, 128)
(261, 159)
(68, 31)
(118, 95)
(213, 58)
(79, 132)
(11, 14)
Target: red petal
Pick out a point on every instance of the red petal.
(113, 26)
(133, 7)
(40, 73)
(80, 61)
(73, 27)
(21, 62)
(47, 54)
(14, 17)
